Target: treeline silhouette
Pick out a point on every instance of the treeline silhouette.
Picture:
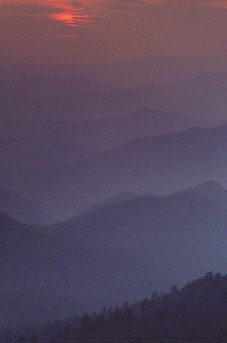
(196, 313)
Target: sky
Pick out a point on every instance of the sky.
(69, 31)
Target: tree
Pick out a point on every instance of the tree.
(34, 338)
(145, 306)
(85, 324)
(22, 339)
(67, 333)
(174, 290)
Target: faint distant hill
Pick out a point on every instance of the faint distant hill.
(202, 96)
(113, 89)
(41, 152)
(193, 86)
(66, 95)
(100, 133)
(211, 190)
(55, 93)
(154, 69)
(109, 132)
(22, 209)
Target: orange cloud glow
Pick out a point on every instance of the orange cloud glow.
(72, 14)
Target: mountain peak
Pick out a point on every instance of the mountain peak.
(211, 190)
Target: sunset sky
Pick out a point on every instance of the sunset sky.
(70, 31)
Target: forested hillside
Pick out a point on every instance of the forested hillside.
(195, 313)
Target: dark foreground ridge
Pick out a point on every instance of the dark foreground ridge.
(196, 313)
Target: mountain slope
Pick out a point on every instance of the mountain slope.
(22, 209)
(40, 268)
(185, 224)
(116, 198)
(211, 190)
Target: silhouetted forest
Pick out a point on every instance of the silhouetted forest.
(195, 313)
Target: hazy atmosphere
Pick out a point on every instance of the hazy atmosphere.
(113, 183)
(52, 32)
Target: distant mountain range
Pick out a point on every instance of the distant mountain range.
(104, 195)
(67, 96)
(97, 133)
(154, 69)
(157, 165)
(30, 95)
(190, 86)
(120, 251)
(123, 170)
